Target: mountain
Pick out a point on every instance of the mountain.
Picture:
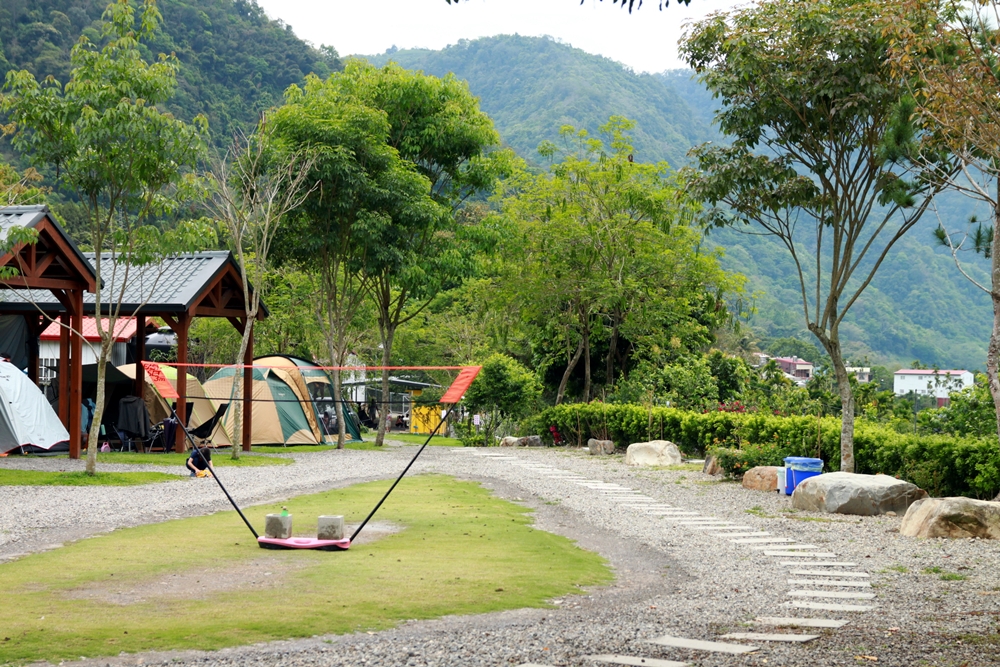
(532, 86)
(234, 61)
(919, 307)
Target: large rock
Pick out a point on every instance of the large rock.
(712, 466)
(530, 441)
(598, 447)
(761, 478)
(952, 517)
(653, 453)
(850, 493)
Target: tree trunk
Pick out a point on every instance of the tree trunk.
(237, 392)
(389, 332)
(94, 435)
(993, 350)
(831, 343)
(338, 407)
(570, 366)
(612, 349)
(586, 361)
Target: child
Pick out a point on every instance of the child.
(200, 462)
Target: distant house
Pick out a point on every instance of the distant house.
(122, 352)
(928, 382)
(863, 374)
(797, 368)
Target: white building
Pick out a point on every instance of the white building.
(928, 382)
(863, 374)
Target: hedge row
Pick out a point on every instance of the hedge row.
(942, 465)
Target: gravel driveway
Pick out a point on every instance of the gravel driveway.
(696, 558)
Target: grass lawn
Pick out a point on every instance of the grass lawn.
(417, 439)
(220, 457)
(39, 478)
(203, 583)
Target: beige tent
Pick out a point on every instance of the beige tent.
(202, 411)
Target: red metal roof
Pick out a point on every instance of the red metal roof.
(124, 329)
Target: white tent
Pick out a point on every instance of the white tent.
(26, 418)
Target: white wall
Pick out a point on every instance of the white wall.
(941, 385)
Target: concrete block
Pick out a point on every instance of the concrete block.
(278, 527)
(330, 528)
(699, 645)
(784, 621)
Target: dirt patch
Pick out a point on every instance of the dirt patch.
(196, 584)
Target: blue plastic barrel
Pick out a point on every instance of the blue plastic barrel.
(798, 468)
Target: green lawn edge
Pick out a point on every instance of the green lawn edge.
(11, 477)
(461, 551)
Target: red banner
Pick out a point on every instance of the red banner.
(461, 383)
(160, 381)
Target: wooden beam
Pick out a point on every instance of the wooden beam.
(21, 282)
(65, 322)
(205, 311)
(237, 324)
(183, 323)
(76, 374)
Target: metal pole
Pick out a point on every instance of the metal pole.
(398, 479)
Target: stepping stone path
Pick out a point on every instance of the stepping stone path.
(824, 575)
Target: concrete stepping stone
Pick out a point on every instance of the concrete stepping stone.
(791, 547)
(806, 563)
(784, 621)
(829, 573)
(760, 533)
(829, 606)
(859, 583)
(763, 540)
(632, 660)
(711, 527)
(702, 522)
(839, 595)
(699, 645)
(670, 513)
(810, 554)
(769, 637)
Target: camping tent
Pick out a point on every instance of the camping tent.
(203, 408)
(27, 421)
(287, 392)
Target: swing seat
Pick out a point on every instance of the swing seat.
(303, 543)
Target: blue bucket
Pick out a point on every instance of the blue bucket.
(798, 468)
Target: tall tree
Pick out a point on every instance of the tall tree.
(254, 187)
(603, 246)
(344, 233)
(958, 65)
(117, 151)
(436, 125)
(823, 155)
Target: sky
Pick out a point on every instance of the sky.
(646, 40)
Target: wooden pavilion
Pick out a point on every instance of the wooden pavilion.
(176, 290)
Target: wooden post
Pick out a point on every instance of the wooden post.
(140, 354)
(248, 391)
(76, 375)
(64, 322)
(183, 322)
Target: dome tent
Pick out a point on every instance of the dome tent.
(286, 391)
(27, 421)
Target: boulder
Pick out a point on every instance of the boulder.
(530, 441)
(712, 466)
(952, 517)
(598, 447)
(509, 441)
(653, 453)
(761, 478)
(850, 493)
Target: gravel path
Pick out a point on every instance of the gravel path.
(677, 575)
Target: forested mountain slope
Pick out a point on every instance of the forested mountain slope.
(918, 308)
(532, 86)
(235, 61)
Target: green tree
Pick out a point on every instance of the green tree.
(345, 231)
(823, 152)
(436, 125)
(602, 246)
(503, 390)
(117, 151)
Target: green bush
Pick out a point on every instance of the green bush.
(942, 465)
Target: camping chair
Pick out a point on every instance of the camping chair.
(187, 414)
(204, 431)
(162, 439)
(127, 438)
